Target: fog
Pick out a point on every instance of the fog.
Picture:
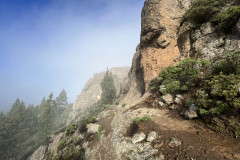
(50, 45)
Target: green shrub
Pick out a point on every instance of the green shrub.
(228, 63)
(171, 87)
(71, 129)
(143, 119)
(146, 119)
(188, 103)
(154, 85)
(61, 144)
(202, 11)
(180, 78)
(137, 120)
(76, 140)
(203, 112)
(227, 19)
(85, 121)
(124, 104)
(72, 153)
(99, 134)
(219, 95)
(125, 91)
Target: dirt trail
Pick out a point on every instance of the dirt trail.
(198, 142)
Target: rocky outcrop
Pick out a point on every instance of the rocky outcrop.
(158, 44)
(206, 42)
(91, 93)
(92, 128)
(39, 153)
(53, 147)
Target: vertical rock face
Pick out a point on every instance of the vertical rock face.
(158, 44)
(137, 87)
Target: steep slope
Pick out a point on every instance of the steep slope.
(92, 91)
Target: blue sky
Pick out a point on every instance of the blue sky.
(48, 45)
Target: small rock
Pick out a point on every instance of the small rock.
(206, 152)
(85, 145)
(161, 104)
(128, 139)
(124, 131)
(138, 137)
(191, 112)
(160, 157)
(152, 136)
(92, 128)
(174, 143)
(158, 145)
(179, 96)
(172, 107)
(178, 100)
(237, 156)
(168, 99)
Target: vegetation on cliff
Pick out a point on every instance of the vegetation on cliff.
(214, 11)
(179, 78)
(216, 93)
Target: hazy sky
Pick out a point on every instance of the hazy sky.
(48, 45)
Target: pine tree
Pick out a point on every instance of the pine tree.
(61, 100)
(3, 133)
(46, 116)
(108, 88)
(15, 118)
(31, 119)
(15, 128)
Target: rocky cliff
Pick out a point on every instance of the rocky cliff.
(158, 44)
(91, 93)
(207, 41)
